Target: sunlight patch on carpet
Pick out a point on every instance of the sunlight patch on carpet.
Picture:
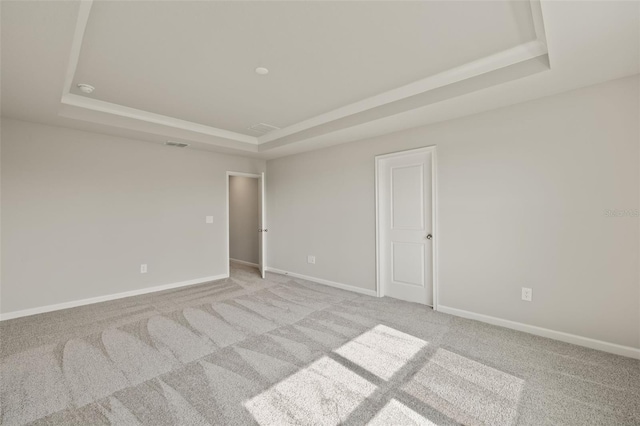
(396, 413)
(324, 393)
(465, 390)
(382, 350)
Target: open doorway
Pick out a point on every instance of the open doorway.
(246, 232)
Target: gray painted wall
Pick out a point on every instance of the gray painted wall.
(522, 194)
(243, 218)
(82, 211)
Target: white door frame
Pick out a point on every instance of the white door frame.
(434, 223)
(229, 174)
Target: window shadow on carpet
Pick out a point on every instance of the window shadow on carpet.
(385, 376)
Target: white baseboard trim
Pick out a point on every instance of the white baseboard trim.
(600, 345)
(91, 300)
(244, 262)
(325, 282)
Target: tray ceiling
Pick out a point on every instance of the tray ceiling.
(185, 70)
(339, 71)
(401, 75)
(195, 61)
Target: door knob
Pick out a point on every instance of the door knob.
(428, 237)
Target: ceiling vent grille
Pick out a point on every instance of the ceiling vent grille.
(176, 144)
(263, 128)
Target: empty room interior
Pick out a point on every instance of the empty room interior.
(320, 212)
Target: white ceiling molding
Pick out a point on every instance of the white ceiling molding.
(110, 109)
(170, 128)
(513, 63)
(76, 44)
(538, 22)
(393, 110)
(503, 60)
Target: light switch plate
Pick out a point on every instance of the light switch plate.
(209, 219)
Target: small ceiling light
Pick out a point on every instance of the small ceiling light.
(262, 71)
(86, 88)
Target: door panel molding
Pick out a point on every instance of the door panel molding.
(420, 192)
(396, 279)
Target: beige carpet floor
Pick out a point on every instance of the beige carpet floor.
(285, 351)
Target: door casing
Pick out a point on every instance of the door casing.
(434, 225)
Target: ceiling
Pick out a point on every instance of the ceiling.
(338, 71)
(196, 60)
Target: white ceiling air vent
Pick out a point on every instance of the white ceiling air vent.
(176, 144)
(263, 128)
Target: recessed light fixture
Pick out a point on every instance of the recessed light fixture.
(176, 144)
(86, 88)
(262, 71)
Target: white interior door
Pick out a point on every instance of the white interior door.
(405, 225)
(262, 226)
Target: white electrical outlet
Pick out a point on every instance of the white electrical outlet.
(311, 259)
(209, 219)
(143, 268)
(527, 293)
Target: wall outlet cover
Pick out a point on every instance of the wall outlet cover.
(143, 268)
(311, 259)
(527, 294)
